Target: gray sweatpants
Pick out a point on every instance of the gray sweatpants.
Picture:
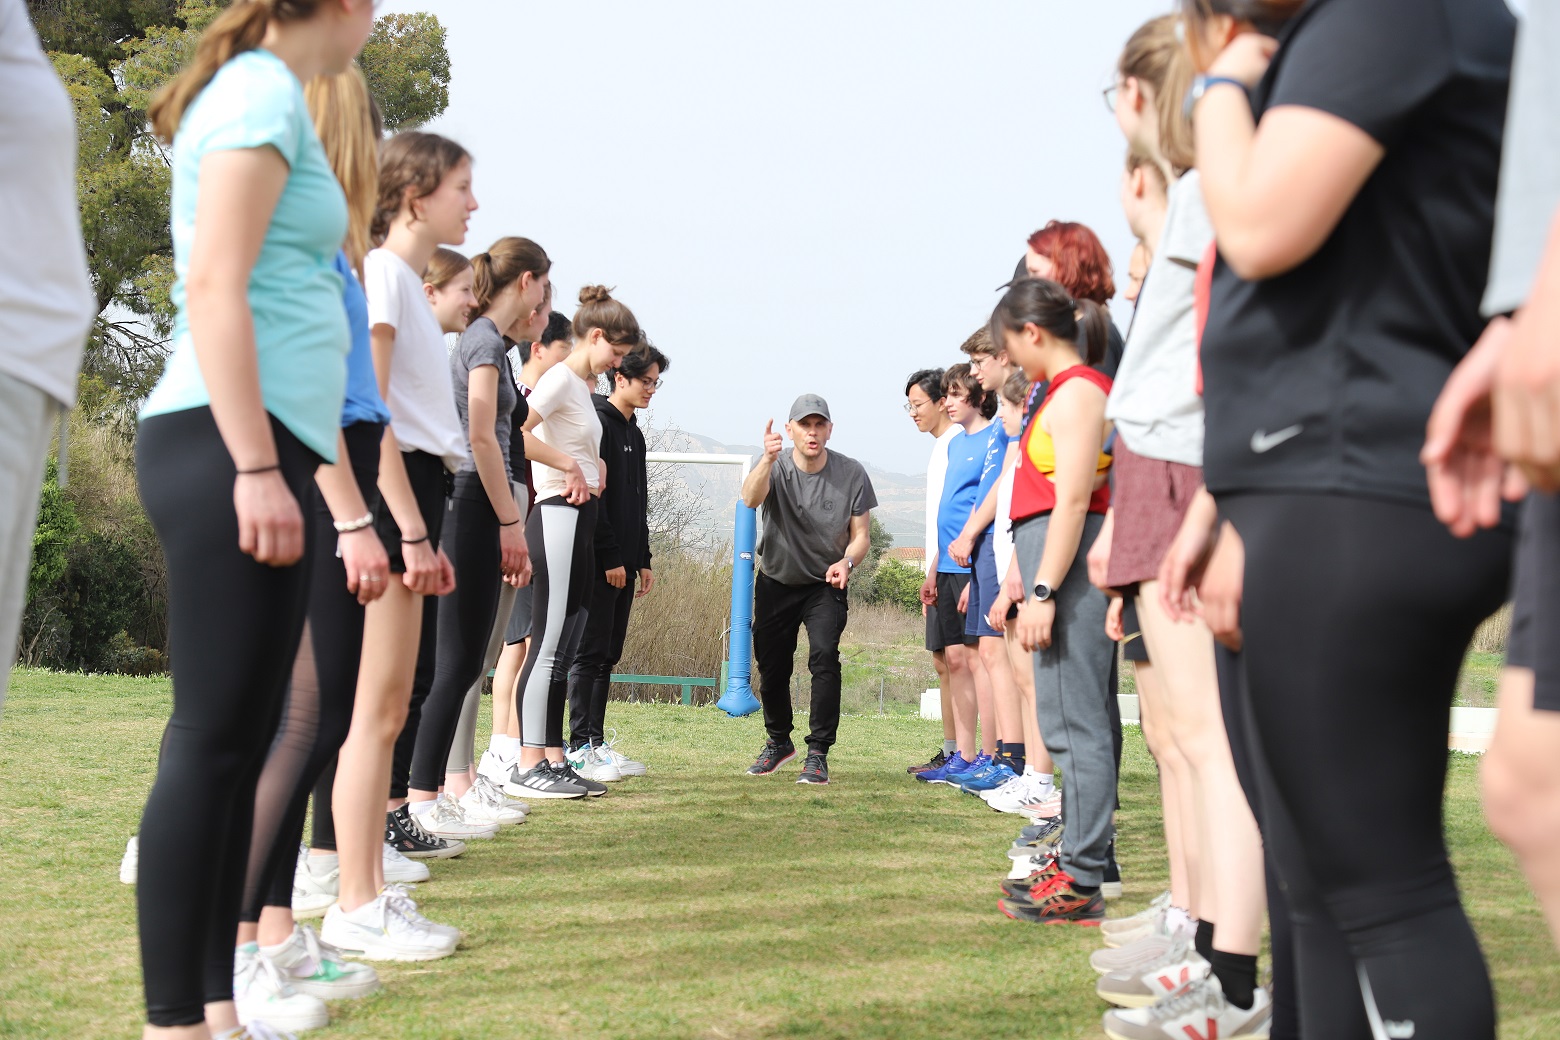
(1073, 692)
(26, 421)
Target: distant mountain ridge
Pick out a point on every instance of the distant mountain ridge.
(901, 497)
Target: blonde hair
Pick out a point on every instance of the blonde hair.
(238, 29)
(343, 115)
(598, 310)
(1158, 58)
(443, 266)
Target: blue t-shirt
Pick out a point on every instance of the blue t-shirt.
(295, 292)
(363, 401)
(991, 468)
(961, 487)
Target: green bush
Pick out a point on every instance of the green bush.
(898, 583)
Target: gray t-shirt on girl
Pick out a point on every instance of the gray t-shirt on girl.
(807, 517)
(482, 344)
(1154, 401)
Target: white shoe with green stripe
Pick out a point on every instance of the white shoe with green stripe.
(319, 969)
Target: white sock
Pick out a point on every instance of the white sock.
(320, 864)
(423, 808)
(1178, 920)
(496, 744)
(510, 748)
(1047, 778)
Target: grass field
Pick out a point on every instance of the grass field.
(696, 903)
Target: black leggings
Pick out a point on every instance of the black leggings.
(562, 540)
(233, 629)
(431, 485)
(1357, 614)
(600, 647)
(318, 710)
(465, 620)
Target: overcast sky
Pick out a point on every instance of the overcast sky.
(799, 197)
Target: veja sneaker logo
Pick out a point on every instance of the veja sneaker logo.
(1211, 1034)
(1169, 983)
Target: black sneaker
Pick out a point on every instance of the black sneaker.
(815, 770)
(771, 758)
(541, 782)
(1110, 886)
(1043, 844)
(937, 761)
(404, 834)
(567, 773)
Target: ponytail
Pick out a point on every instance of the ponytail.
(1094, 327)
(503, 264)
(1048, 306)
(238, 29)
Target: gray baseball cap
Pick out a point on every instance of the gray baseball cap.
(809, 404)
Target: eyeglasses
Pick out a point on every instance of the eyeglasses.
(1109, 94)
(980, 361)
(649, 385)
(911, 407)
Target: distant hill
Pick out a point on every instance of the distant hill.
(711, 491)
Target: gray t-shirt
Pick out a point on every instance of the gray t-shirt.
(1154, 401)
(1529, 162)
(482, 344)
(807, 517)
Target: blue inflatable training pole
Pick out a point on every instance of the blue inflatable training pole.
(738, 699)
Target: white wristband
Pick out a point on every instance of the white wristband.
(348, 526)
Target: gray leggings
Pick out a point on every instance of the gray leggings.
(562, 570)
(463, 750)
(1073, 694)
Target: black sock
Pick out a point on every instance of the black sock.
(1237, 975)
(1000, 752)
(1085, 890)
(1015, 757)
(1204, 940)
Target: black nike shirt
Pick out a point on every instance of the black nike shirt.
(1322, 378)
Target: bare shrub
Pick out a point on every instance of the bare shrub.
(679, 629)
(1492, 635)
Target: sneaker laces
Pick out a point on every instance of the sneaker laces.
(489, 793)
(415, 829)
(1190, 996)
(399, 903)
(257, 965)
(318, 950)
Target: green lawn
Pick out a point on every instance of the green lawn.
(696, 903)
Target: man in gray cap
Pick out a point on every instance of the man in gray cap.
(817, 522)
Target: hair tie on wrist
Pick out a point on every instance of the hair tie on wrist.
(414, 541)
(262, 469)
(510, 524)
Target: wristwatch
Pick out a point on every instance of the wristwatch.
(1200, 87)
(1043, 591)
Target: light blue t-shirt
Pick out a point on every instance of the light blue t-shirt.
(961, 485)
(295, 293)
(363, 402)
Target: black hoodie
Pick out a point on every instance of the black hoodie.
(622, 525)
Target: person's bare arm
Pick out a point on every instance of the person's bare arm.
(424, 569)
(860, 544)
(488, 457)
(1274, 190)
(362, 554)
(755, 488)
(576, 491)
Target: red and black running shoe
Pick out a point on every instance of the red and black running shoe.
(1058, 902)
(935, 762)
(771, 758)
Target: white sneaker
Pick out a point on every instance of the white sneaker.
(446, 820)
(625, 765)
(316, 883)
(1119, 931)
(1196, 1009)
(382, 930)
(497, 791)
(401, 896)
(589, 763)
(1012, 796)
(486, 805)
(263, 994)
(130, 865)
(1022, 868)
(495, 767)
(1152, 979)
(400, 870)
(318, 968)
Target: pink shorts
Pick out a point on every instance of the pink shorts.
(1150, 499)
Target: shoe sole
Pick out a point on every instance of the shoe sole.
(305, 913)
(453, 850)
(291, 1023)
(329, 991)
(530, 793)
(770, 772)
(1087, 922)
(407, 879)
(814, 783)
(401, 956)
(1126, 1001)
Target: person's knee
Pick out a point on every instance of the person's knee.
(1522, 796)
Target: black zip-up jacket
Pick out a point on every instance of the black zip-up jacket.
(622, 524)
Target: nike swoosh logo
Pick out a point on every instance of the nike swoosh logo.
(1263, 442)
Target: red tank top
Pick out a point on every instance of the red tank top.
(1034, 492)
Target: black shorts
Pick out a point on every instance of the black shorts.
(431, 484)
(1133, 648)
(945, 617)
(1535, 620)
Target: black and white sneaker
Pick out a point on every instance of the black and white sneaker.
(771, 758)
(815, 770)
(593, 788)
(541, 782)
(406, 836)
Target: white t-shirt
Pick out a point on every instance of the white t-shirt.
(1154, 401)
(936, 471)
(1002, 543)
(422, 396)
(570, 424)
(46, 301)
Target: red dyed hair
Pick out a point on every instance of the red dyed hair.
(1082, 266)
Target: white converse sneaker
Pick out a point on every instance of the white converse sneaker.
(625, 765)
(486, 805)
(401, 896)
(446, 820)
(130, 865)
(382, 930)
(316, 883)
(318, 968)
(496, 791)
(495, 767)
(1196, 1009)
(263, 994)
(400, 870)
(587, 762)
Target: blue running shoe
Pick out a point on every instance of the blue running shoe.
(988, 779)
(957, 777)
(955, 764)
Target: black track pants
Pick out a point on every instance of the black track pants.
(465, 619)
(779, 611)
(318, 711)
(1357, 614)
(562, 542)
(600, 649)
(233, 628)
